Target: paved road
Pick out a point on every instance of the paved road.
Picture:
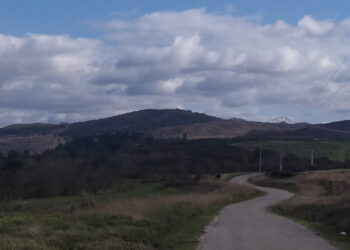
(248, 226)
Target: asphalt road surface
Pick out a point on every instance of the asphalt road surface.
(248, 226)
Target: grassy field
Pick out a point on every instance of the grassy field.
(129, 216)
(334, 150)
(322, 202)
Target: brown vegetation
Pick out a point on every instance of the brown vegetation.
(322, 197)
(201, 195)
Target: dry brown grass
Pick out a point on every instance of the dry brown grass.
(200, 197)
(322, 197)
(324, 187)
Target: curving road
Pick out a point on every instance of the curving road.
(248, 226)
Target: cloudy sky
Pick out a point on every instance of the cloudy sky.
(77, 60)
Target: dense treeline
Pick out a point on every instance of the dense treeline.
(93, 163)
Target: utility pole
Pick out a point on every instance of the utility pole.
(312, 158)
(260, 163)
(281, 154)
(282, 122)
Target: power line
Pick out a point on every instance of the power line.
(330, 80)
(337, 105)
(332, 95)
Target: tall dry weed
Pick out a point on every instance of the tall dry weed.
(200, 198)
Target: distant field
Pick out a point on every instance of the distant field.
(336, 151)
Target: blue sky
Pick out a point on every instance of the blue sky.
(64, 61)
(73, 16)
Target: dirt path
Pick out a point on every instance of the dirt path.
(248, 226)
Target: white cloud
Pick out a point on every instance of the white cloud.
(316, 27)
(221, 64)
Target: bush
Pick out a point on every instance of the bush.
(278, 174)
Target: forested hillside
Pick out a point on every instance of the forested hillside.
(97, 162)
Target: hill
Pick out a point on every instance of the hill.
(139, 121)
(339, 125)
(163, 124)
(30, 129)
(34, 137)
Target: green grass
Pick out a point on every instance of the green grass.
(9, 223)
(52, 223)
(187, 236)
(77, 222)
(334, 150)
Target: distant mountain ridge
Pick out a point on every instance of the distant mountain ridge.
(34, 137)
(30, 129)
(143, 121)
(161, 124)
(339, 125)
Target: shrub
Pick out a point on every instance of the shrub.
(278, 174)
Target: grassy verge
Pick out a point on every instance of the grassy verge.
(187, 236)
(137, 216)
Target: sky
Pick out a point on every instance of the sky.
(66, 61)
